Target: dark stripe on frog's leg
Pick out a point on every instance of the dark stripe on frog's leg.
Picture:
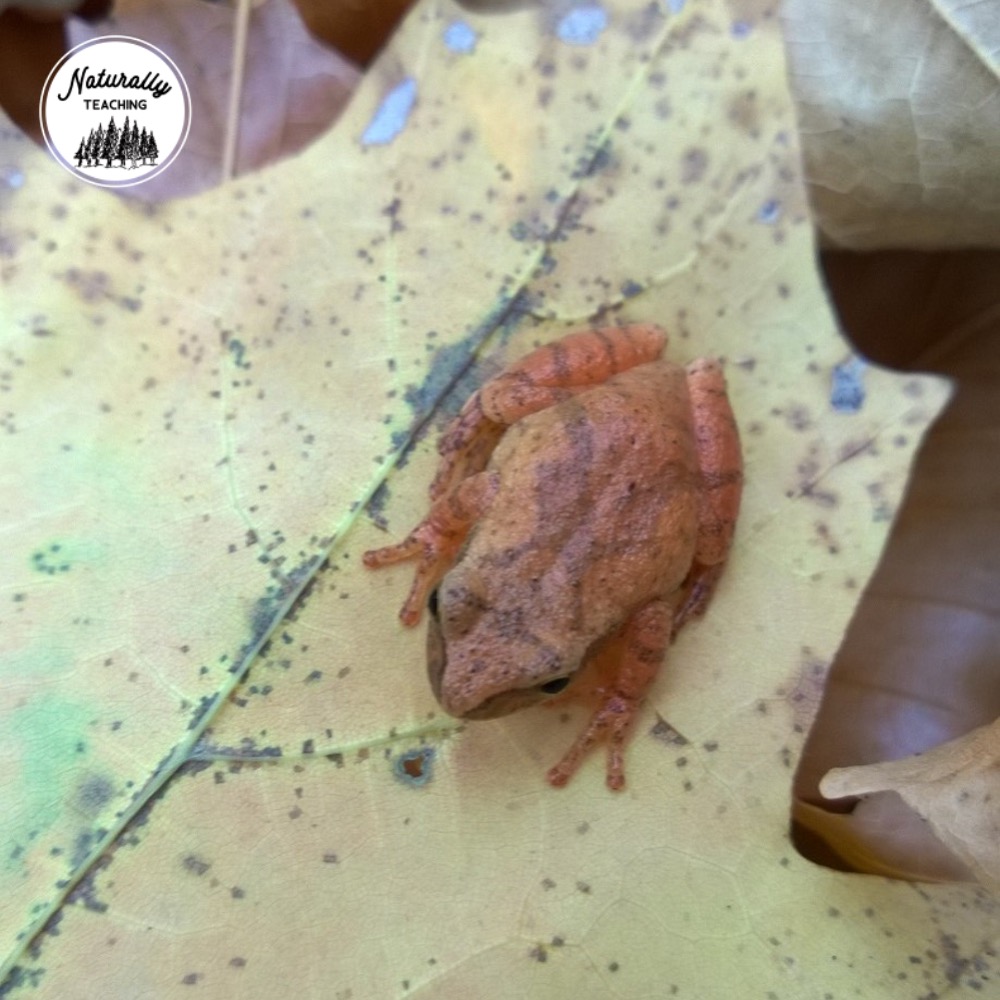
(611, 353)
(562, 373)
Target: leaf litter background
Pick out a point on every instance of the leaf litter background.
(201, 396)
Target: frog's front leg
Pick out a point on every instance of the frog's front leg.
(435, 541)
(546, 376)
(720, 461)
(643, 644)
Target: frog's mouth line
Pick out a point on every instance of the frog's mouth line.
(502, 703)
(505, 703)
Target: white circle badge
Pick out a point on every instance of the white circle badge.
(115, 111)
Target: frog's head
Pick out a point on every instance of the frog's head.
(485, 660)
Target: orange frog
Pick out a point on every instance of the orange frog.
(583, 509)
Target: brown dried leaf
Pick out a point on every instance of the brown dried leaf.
(918, 664)
(900, 118)
(954, 787)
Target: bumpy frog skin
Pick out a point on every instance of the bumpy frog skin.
(583, 509)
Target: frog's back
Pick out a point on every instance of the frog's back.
(596, 511)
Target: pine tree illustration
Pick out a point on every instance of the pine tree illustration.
(109, 148)
(121, 153)
(112, 143)
(133, 145)
(94, 145)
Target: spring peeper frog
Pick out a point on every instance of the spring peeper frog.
(583, 509)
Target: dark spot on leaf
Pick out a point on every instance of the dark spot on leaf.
(414, 768)
(85, 891)
(93, 794)
(195, 865)
(693, 165)
(666, 733)
(83, 846)
(597, 158)
(744, 113)
(205, 705)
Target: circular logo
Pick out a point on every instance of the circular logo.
(115, 111)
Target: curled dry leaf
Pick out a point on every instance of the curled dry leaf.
(897, 105)
(918, 664)
(954, 787)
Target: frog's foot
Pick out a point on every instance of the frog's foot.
(643, 642)
(436, 540)
(613, 720)
(421, 542)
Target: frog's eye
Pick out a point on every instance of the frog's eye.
(554, 686)
(432, 603)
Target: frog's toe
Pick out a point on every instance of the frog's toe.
(390, 554)
(611, 721)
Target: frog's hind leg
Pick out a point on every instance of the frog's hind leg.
(465, 447)
(642, 644)
(435, 541)
(546, 376)
(574, 363)
(720, 461)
